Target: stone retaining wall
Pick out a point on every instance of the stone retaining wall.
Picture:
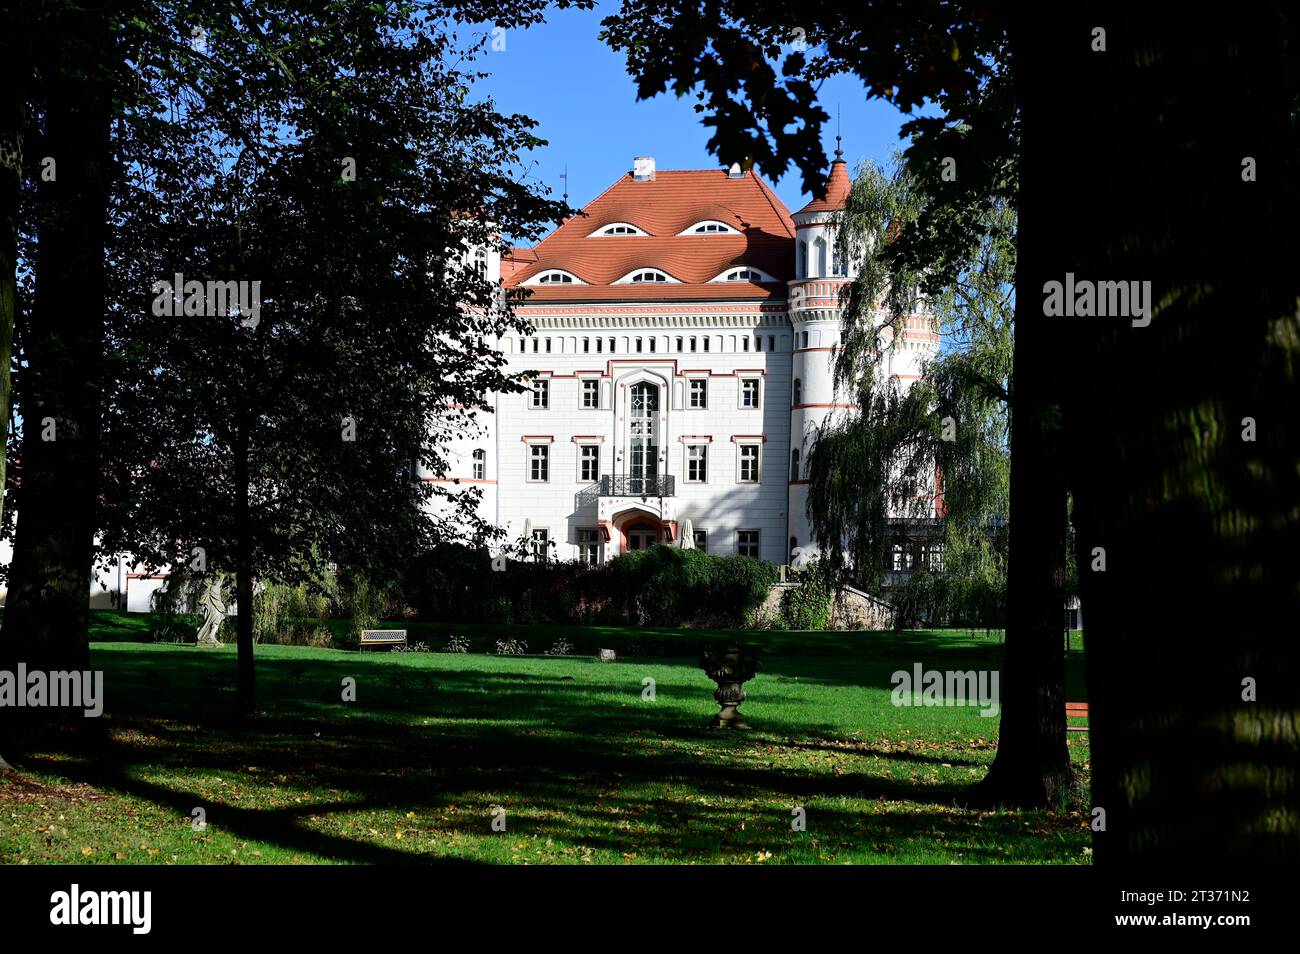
(853, 609)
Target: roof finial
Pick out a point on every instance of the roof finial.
(565, 177)
(839, 153)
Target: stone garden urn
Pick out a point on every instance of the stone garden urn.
(730, 667)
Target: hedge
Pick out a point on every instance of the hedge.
(658, 586)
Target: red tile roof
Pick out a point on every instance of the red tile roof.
(514, 262)
(664, 206)
(835, 193)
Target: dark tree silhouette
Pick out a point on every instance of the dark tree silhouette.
(1171, 158)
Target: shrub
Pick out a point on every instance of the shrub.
(451, 581)
(808, 604)
(740, 585)
(659, 586)
(356, 600)
(412, 648)
(172, 622)
(291, 615)
(668, 586)
(177, 611)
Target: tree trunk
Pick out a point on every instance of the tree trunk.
(14, 81)
(46, 618)
(1185, 432)
(244, 576)
(1032, 766)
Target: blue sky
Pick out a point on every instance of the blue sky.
(578, 89)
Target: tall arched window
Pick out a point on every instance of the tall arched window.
(819, 249)
(794, 464)
(643, 437)
(480, 464)
(798, 392)
(801, 261)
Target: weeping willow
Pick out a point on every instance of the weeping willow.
(878, 467)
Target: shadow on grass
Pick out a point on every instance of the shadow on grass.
(567, 756)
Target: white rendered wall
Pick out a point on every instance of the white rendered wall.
(722, 505)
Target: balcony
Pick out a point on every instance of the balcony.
(623, 486)
(614, 488)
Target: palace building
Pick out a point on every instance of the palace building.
(679, 366)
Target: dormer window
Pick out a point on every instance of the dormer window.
(710, 227)
(618, 228)
(645, 276)
(744, 274)
(555, 276)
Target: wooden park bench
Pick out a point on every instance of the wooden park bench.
(1076, 710)
(382, 637)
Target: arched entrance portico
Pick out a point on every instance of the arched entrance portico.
(637, 529)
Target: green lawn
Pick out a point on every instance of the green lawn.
(586, 770)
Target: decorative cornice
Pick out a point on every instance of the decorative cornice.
(642, 320)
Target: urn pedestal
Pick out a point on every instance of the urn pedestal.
(730, 667)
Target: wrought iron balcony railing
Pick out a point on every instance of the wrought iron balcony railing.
(623, 486)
